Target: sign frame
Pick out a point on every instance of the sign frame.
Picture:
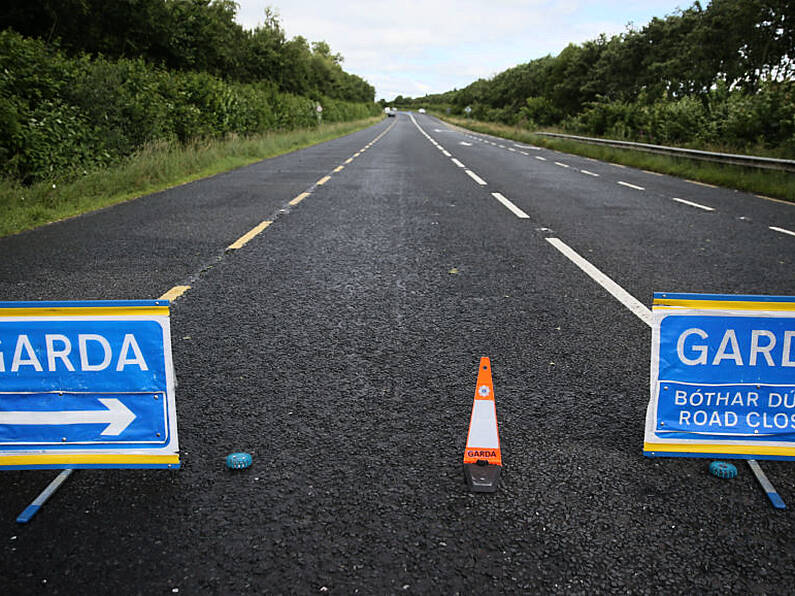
(758, 381)
(56, 395)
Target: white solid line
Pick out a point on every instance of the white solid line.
(476, 178)
(624, 297)
(541, 158)
(513, 208)
(782, 230)
(692, 204)
(589, 173)
(622, 183)
(458, 163)
(562, 165)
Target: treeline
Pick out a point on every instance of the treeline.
(68, 107)
(720, 75)
(188, 35)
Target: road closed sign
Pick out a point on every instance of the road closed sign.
(722, 377)
(87, 385)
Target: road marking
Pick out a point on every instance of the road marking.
(562, 165)
(590, 173)
(513, 208)
(174, 293)
(476, 178)
(299, 198)
(618, 165)
(339, 168)
(511, 149)
(652, 173)
(349, 160)
(782, 230)
(538, 157)
(619, 293)
(323, 180)
(241, 242)
(447, 153)
(465, 144)
(524, 153)
(458, 163)
(692, 204)
(502, 146)
(627, 184)
(357, 154)
(701, 183)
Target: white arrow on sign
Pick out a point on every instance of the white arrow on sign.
(117, 416)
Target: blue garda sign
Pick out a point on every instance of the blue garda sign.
(722, 377)
(86, 385)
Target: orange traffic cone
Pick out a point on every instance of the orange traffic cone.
(482, 456)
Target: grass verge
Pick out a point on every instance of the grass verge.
(769, 183)
(154, 168)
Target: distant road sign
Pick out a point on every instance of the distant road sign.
(722, 377)
(86, 385)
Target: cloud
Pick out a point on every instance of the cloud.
(418, 46)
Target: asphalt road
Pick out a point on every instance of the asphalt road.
(340, 347)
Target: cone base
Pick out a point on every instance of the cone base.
(482, 479)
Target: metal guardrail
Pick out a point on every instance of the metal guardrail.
(770, 163)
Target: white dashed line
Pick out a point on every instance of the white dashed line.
(538, 157)
(513, 208)
(692, 204)
(562, 165)
(782, 230)
(636, 307)
(447, 153)
(590, 173)
(628, 185)
(476, 178)
(458, 163)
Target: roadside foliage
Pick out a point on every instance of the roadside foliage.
(720, 75)
(85, 84)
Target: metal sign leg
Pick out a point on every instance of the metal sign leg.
(774, 497)
(34, 507)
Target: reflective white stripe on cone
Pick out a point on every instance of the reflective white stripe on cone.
(482, 455)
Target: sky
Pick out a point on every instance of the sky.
(416, 47)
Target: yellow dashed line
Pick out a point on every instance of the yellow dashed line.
(349, 160)
(240, 242)
(323, 180)
(299, 198)
(174, 293)
(339, 168)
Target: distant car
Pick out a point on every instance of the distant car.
(390, 112)
(422, 110)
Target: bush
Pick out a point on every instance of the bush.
(62, 116)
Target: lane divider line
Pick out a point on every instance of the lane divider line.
(782, 230)
(701, 183)
(349, 160)
(339, 169)
(562, 165)
(323, 180)
(628, 185)
(447, 154)
(476, 178)
(174, 293)
(594, 174)
(458, 163)
(513, 208)
(539, 158)
(241, 242)
(692, 204)
(298, 199)
(619, 293)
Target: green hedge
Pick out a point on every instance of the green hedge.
(60, 116)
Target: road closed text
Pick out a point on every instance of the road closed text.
(727, 410)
